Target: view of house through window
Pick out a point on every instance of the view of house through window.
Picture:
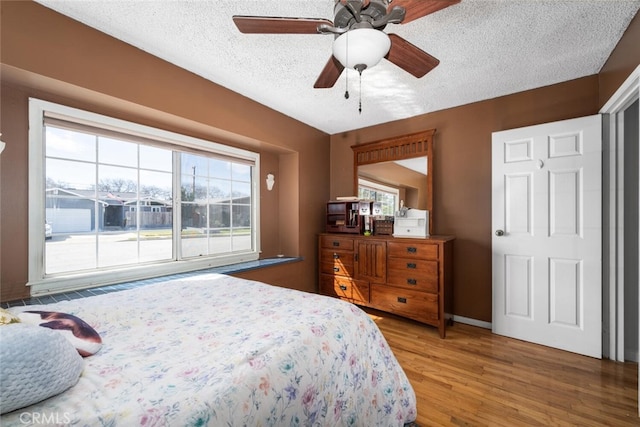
(216, 206)
(113, 201)
(109, 202)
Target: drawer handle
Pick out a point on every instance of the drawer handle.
(412, 281)
(336, 256)
(343, 287)
(336, 243)
(411, 265)
(336, 269)
(402, 300)
(412, 250)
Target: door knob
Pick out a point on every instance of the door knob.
(499, 233)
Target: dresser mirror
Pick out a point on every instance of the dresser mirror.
(403, 164)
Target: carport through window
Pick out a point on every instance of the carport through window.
(120, 197)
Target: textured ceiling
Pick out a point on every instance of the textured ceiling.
(486, 48)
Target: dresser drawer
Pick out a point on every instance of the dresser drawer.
(421, 306)
(336, 268)
(336, 243)
(412, 250)
(414, 274)
(354, 291)
(336, 262)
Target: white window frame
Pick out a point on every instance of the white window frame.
(362, 182)
(42, 284)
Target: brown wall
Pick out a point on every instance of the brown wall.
(462, 166)
(622, 61)
(51, 57)
(55, 58)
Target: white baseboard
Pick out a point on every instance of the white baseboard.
(472, 322)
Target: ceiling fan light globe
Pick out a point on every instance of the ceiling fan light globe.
(366, 46)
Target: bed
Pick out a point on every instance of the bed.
(216, 350)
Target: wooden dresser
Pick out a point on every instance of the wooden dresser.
(408, 277)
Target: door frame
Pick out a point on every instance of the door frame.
(613, 220)
(613, 267)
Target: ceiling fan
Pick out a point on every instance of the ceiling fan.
(360, 42)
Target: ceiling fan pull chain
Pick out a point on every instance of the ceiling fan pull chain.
(360, 95)
(346, 71)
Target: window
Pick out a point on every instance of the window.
(388, 196)
(215, 207)
(126, 201)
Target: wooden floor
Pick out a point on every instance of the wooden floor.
(475, 378)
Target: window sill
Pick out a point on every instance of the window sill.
(224, 269)
(250, 265)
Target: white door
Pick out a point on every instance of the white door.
(547, 242)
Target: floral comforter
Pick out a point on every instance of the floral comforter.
(221, 351)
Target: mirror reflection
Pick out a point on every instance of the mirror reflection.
(394, 181)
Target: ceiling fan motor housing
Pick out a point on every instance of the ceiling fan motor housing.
(374, 11)
(362, 21)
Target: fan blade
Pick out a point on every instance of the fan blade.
(419, 8)
(329, 74)
(275, 25)
(410, 58)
